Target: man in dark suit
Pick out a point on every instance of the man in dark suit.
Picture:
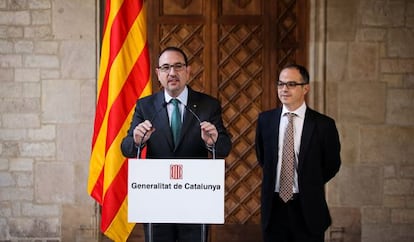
(298, 213)
(200, 132)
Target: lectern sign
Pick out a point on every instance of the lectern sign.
(176, 191)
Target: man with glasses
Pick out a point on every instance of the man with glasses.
(176, 122)
(299, 152)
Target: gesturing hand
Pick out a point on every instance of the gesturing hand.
(142, 132)
(209, 133)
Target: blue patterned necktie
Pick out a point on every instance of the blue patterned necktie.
(175, 121)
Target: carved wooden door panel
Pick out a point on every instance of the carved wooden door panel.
(236, 49)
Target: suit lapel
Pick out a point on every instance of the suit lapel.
(274, 125)
(308, 127)
(161, 122)
(189, 120)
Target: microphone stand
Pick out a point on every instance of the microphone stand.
(213, 151)
(149, 232)
(203, 226)
(149, 225)
(139, 151)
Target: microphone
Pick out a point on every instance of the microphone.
(213, 152)
(163, 105)
(213, 147)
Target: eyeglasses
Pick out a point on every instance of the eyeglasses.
(289, 84)
(176, 66)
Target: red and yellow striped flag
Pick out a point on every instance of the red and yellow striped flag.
(124, 76)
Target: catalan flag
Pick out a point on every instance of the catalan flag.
(124, 76)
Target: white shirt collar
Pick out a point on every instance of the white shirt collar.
(300, 112)
(183, 97)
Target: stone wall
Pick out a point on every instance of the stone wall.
(370, 92)
(47, 97)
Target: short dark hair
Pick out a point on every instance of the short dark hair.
(176, 49)
(302, 70)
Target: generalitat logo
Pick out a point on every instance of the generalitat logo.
(176, 171)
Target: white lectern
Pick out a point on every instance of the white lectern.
(176, 191)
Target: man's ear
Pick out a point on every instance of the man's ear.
(306, 88)
(188, 71)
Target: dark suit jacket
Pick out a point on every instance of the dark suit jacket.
(319, 160)
(160, 145)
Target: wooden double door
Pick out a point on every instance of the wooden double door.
(236, 49)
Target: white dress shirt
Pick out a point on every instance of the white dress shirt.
(183, 101)
(297, 134)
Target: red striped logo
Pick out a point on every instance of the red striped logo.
(176, 171)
